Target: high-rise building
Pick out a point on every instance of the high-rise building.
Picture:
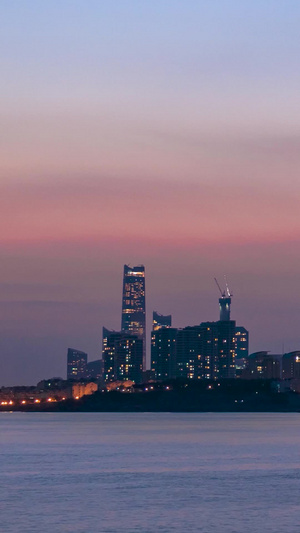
(226, 349)
(188, 352)
(76, 364)
(206, 351)
(241, 348)
(163, 352)
(226, 337)
(133, 304)
(122, 356)
(161, 321)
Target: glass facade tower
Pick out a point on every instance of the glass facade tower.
(133, 304)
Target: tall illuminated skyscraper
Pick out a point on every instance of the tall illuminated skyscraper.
(133, 304)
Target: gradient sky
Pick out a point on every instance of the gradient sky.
(164, 133)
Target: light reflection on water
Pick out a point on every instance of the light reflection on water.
(105, 472)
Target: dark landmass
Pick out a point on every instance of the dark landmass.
(180, 396)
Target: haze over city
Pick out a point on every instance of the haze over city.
(164, 134)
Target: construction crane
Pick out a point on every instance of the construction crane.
(222, 293)
(226, 292)
(224, 301)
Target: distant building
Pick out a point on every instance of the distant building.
(226, 349)
(208, 350)
(188, 353)
(83, 389)
(57, 389)
(52, 383)
(262, 365)
(94, 369)
(161, 321)
(225, 333)
(204, 351)
(133, 304)
(241, 347)
(291, 365)
(163, 352)
(76, 364)
(122, 386)
(122, 356)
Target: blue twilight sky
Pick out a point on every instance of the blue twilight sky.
(161, 132)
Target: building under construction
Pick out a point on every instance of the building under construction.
(205, 351)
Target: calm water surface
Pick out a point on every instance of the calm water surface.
(111, 472)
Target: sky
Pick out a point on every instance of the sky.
(157, 133)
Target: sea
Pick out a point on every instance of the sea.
(149, 472)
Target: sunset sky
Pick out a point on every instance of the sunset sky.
(165, 133)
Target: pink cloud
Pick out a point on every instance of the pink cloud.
(156, 212)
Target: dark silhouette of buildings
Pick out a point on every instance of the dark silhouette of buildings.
(133, 304)
(122, 356)
(161, 321)
(76, 364)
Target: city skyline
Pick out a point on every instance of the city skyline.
(146, 133)
(224, 312)
(209, 350)
(149, 265)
